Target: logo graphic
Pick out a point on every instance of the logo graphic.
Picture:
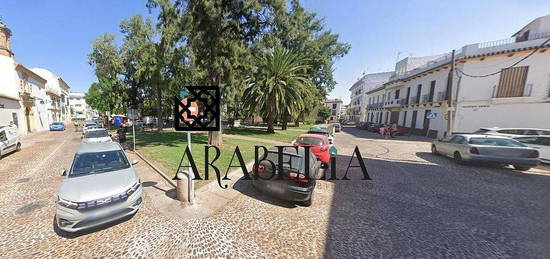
(197, 109)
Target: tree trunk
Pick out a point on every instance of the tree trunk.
(215, 137)
(285, 122)
(297, 122)
(270, 122)
(159, 108)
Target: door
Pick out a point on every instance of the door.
(426, 125)
(408, 95)
(418, 92)
(413, 121)
(28, 118)
(394, 117)
(3, 142)
(432, 90)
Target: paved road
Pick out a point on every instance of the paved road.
(418, 205)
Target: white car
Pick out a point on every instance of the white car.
(89, 125)
(96, 136)
(541, 143)
(512, 132)
(9, 140)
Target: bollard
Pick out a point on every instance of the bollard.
(181, 187)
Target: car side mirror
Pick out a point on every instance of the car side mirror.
(63, 172)
(135, 161)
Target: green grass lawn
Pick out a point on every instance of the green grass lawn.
(167, 149)
(279, 135)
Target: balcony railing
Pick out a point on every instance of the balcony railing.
(441, 96)
(425, 98)
(414, 100)
(403, 101)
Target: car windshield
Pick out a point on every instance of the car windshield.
(57, 123)
(318, 133)
(97, 134)
(501, 142)
(310, 141)
(98, 162)
(90, 125)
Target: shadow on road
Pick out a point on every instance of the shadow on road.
(428, 210)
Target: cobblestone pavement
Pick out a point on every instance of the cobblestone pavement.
(418, 205)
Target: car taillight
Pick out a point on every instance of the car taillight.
(474, 150)
(534, 154)
(297, 177)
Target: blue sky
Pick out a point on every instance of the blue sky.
(57, 35)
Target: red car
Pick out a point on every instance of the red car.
(319, 144)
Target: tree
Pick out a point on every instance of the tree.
(218, 34)
(279, 86)
(323, 113)
(107, 62)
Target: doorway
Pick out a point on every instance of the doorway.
(28, 118)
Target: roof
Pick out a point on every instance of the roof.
(30, 73)
(533, 21)
(98, 147)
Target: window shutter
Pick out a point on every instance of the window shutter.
(512, 82)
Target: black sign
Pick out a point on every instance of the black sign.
(197, 109)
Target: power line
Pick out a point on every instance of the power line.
(498, 72)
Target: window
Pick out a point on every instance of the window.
(404, 119)
(396, 94)
(418, 91)
(432, 91)
(333, 106)
(502, 142)
(512, 82)
(458, 140)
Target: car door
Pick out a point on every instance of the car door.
(544, 148)
(442, 145)
(3, 141)
(457, 143)
(11, 135)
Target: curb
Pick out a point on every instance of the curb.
(162, 174)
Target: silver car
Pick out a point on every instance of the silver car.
(101, 186)
(487, 149)
(96, 136)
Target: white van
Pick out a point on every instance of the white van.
(9, 140)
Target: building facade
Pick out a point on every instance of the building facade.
(57, 91)
(79, 108)
(357, 108)
(22, 92)
(335, 106)
(503, 83)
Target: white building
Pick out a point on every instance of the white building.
(22, 92)
(358, 104)
(488, 88)
(335, 106)
(79, 108)
(57, 100)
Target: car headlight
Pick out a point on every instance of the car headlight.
(133, 188)
(66, 203)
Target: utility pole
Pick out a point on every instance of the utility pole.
(450, 107)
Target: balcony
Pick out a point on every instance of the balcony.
(441, 96)
(426, 98)
(392, 103)
(414, 100)
(403, 101)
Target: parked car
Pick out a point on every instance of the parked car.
(487, 149)
(322, 132)
(96, 136)
(374, 127)
(349, 123)
(100, 187)
(9, 140)
(337, 127)
(513, 132)
(89, 125)
(319, 144)
(139, 123)
(328, 127)
(294, 185)
(541, 143)
(57, 126)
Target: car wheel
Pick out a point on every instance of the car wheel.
(18, 147)
(434, 150)
(522, 168)
(458, 158)
(308, 202)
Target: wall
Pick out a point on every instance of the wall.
(477, 108)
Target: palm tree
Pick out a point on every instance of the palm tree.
(278, 87)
